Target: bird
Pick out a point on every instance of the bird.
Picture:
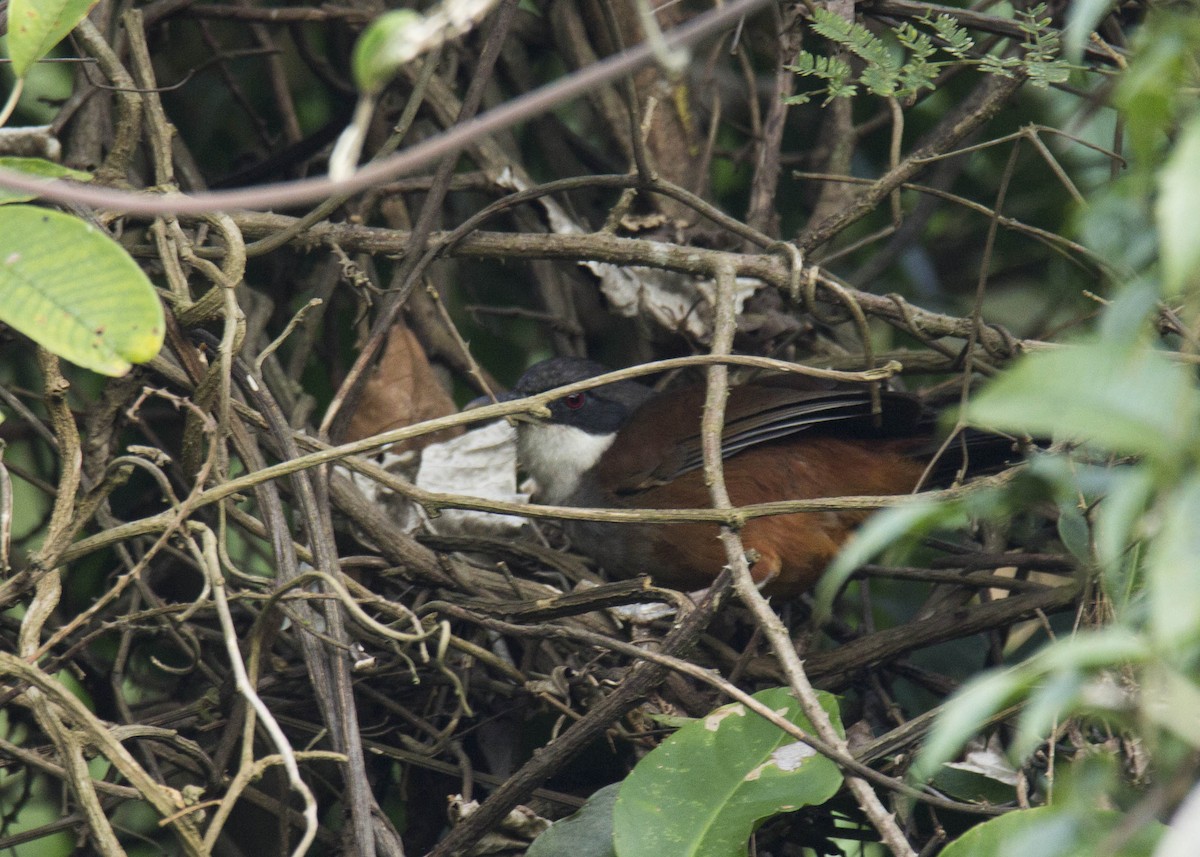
(786, 437)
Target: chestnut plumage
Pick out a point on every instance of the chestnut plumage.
(786, 437)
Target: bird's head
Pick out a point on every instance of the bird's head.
(558, 450)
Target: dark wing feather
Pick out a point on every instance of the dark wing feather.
(757, 413)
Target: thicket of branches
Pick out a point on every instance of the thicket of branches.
(908, 190)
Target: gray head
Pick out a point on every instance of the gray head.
(557, 451)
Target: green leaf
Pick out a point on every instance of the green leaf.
(586, 833)
(1055, 696)
(1177, 212)
(1180, 840)
(966, 712)
(39, 168)
(391, 40)
(75, 291)
(1124, 321)
(854, 37)
(1173, 570)
(1154, 89)
(966, 781)
(1170, 700)
(880, 80)
(880, 531)
(1052, 832)
(1117, 519)
(703, 791)
(964, 715)
(1112, 646)
(956, 40)
(1124, 400)
(36, 26)
(1073, 530)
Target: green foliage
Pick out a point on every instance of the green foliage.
(1178, 211)
(36, 26)
(587, 833)
(1082, 18)
(391, 40)
(904, 524)
(1158, 92)
(1125, 478)
(36, 167)
(1117, 394)
(1132, 401)
(1050, 832)
(72, 289)
(902, 65)
(705, 789)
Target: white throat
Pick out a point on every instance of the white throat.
(556, 456)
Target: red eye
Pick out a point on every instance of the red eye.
(574, 401)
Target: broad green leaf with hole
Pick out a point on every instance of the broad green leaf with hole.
(75, 291)
(703, 791)
(391, 40)
(586, 833)
(1049, 831)
(36, 26)
(39, 168)
(1177, 212)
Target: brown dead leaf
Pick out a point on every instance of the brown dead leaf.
(401, 391)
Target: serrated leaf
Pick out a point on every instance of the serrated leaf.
(75, 291)
(702, 792)
(1125, 400)
(880, 80)
(1052, 832)
(957, 41)
(39, 168)
(586, 833)
(36, 26)
(1177, 212)
(805, 63)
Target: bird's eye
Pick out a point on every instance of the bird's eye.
(574, 401)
